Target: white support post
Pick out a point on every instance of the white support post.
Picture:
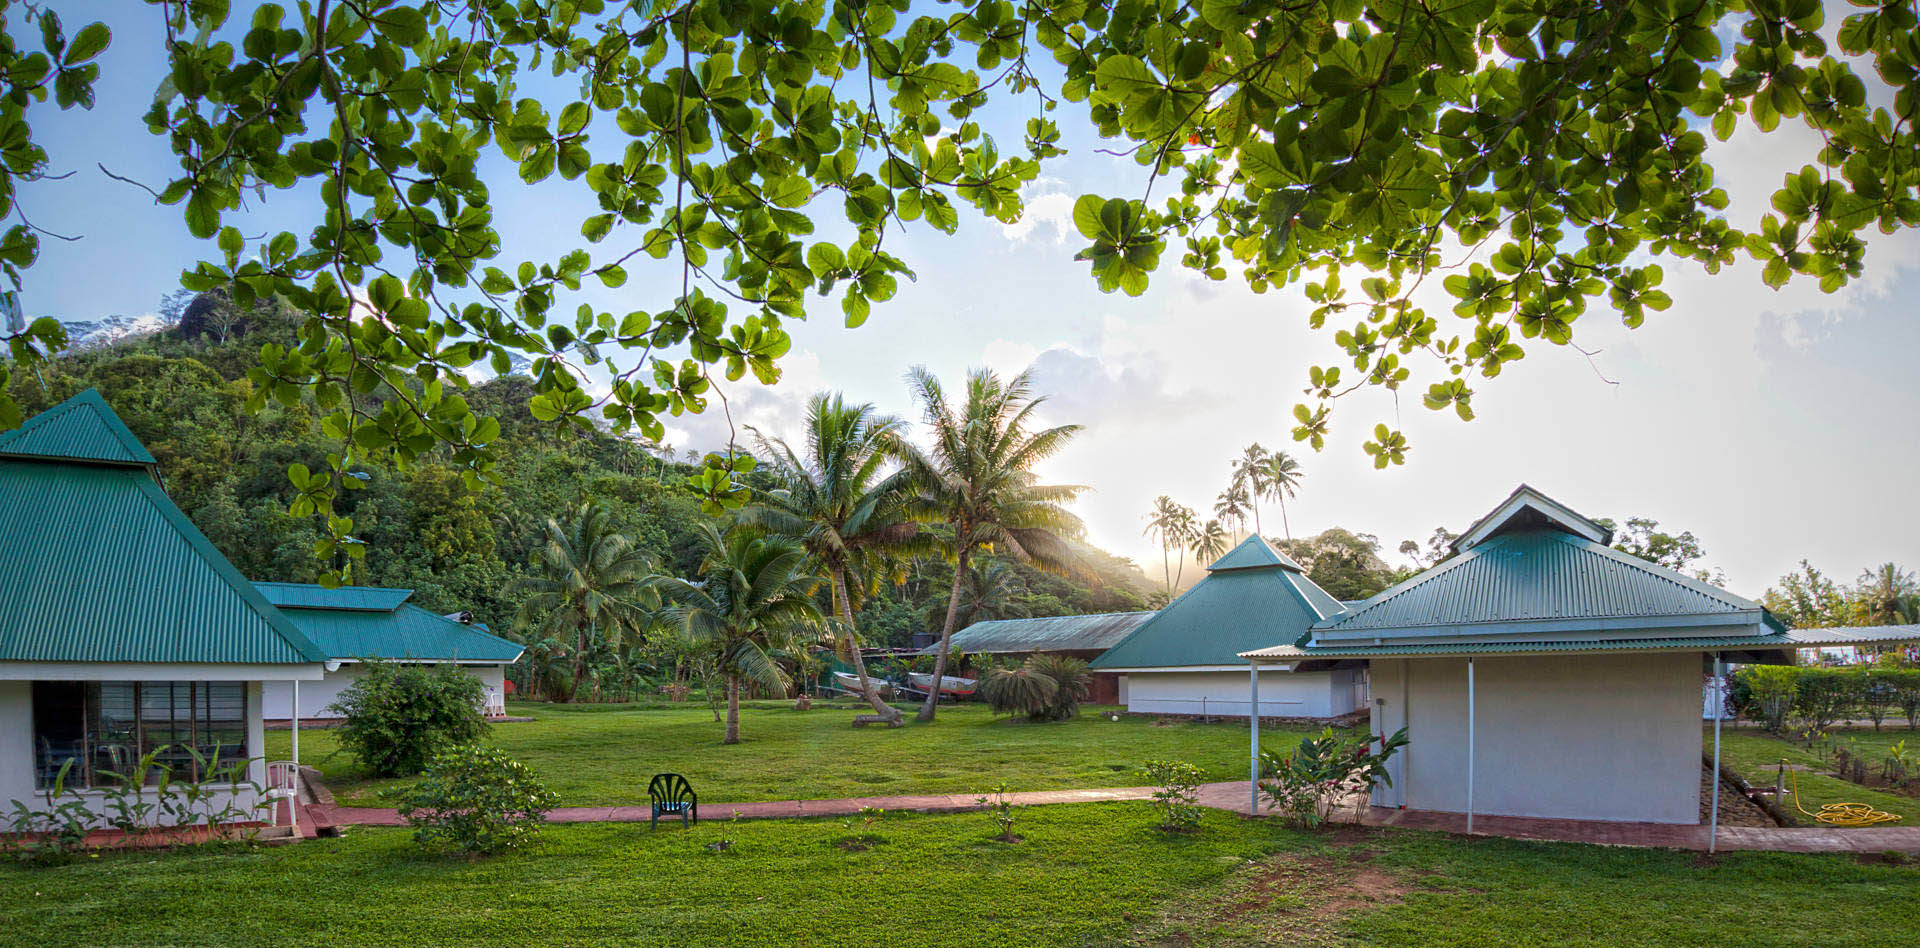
(295, 713)
(1719, 711)
(1253, 726)
(1469, 745)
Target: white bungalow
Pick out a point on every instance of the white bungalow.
(356, 624)
(1185, 659)
(1541, 673)
(122, 630)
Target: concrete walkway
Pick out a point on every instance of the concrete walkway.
(1233, 796)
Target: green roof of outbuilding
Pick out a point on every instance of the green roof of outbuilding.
(348, 630)
(348, 598)
(102, 567)
(82, 428)
(1243, 603)
(1540, 580)
(1046, 634)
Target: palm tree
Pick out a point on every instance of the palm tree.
(1231, 508)
(1250, 474)
(1887, 595)
(834, 498)
(1173, 526)
(990, 593)
(589, 583)
(754, 598)
(1211, 542)
(978, 478)
(1283, 477)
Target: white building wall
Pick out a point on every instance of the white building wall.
(1282, 694)
(1585, 737)
(317, 696)
(16, 743)
(16, 756)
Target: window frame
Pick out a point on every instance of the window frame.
(115, 740)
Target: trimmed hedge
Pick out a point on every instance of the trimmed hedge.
(1818, 696)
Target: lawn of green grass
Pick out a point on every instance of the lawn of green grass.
(596, 756)
(1085, 874)
(1756, 755)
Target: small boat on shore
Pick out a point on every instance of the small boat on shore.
(949, 685)
(850, 683)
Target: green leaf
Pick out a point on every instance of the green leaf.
(203, 214)
(1086, 215)
(88, 43)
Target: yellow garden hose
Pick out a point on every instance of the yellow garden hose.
(1837, 814)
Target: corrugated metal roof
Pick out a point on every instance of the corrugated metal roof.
(1253, 553)
(102, 567)
(351, 598)
(82, 428)
(1795, 638)
(1526, 508)
(1046, 634)
(1228, 612)
(407, 632)
(1532, 577)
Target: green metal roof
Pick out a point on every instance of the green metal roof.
(1527, 508)
(1536, 581)
(1240, 605)
(405, 632)
(82, 428)
(102, 567)
(1253, 553)
(1046, 634)
(1791, 639)
(349, 598)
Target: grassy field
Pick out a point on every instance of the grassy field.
(593, 755)
(1756, 755)
(1089, 874)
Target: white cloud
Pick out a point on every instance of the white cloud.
(1048, 208)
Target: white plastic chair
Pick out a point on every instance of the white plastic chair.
(283, 783)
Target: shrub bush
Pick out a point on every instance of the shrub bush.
(397, 717)
(1045, 688)
(1176, 793)
(1306, 784)
(476, 800)
(1770, 691)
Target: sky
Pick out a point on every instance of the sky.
(1774, 425)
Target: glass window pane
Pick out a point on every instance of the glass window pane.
(59, 732)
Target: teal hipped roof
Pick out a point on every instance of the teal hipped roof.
(344, 598)
(1252, 597)
(363, 622)
(1533, 576)
(100, 566)
(1092, 633)
(82, 428)
(1540, 581)
(1769, 641)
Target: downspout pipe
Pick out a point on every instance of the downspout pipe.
(1719, 711)
(1470, 716)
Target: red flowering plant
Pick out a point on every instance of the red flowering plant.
(1306, 785)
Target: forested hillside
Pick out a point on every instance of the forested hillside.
(183, 391)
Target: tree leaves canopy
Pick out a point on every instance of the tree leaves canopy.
(1541, 158)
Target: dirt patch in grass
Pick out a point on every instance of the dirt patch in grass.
(1888, 858)
(1288, 899)
(1319, 888)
